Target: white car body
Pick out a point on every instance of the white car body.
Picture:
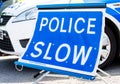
(21, 30)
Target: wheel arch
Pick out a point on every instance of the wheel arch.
(116, 32)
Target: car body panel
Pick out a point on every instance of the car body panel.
(26, 28)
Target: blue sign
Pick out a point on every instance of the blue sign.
(66, 41)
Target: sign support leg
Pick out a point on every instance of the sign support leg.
(103, 72)
(39, 73)
(44, 73)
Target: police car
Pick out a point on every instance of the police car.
(17, 24)
(111, 39)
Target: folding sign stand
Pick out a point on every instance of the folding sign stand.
(103, 72)
(44, 73)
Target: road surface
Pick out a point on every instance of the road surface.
(9, 75)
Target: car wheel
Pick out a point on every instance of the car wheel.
(108, 48)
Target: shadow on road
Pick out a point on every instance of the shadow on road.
(114, 68)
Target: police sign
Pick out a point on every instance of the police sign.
(66, 40)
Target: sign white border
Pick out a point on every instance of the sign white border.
(68, 69)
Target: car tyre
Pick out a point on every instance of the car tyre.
(108, 49)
